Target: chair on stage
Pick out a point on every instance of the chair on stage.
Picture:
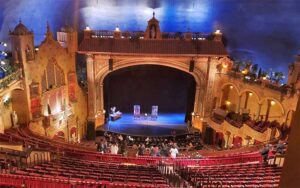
(154, 112)
(136, 111)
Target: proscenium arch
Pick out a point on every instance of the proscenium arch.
(198, 75)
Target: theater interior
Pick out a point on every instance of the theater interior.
(192, 94)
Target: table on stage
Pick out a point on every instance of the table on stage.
(115, 116)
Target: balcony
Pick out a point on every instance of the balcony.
(258, 82)
(10, 79)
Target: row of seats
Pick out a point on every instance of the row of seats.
(85, 170)
(237, 175)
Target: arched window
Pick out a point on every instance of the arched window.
(53, 76)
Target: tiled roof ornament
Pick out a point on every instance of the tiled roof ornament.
(153, 29)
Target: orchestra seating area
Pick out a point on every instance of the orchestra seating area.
(182, 141)
(74, 165)
(236, 175)
(75, 169)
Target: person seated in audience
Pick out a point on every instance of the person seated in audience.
(164, 150)
(120, 137)
(175, 145)
(190, 147)
(152, 152)
(124, 148)
(280, 148)
(141, 150)
(265, 153)
(130, 139)
(174, 152)
(114, 149)
(156, 151)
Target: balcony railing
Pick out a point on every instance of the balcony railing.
(140, 35)
(17, 75)
(264, 83)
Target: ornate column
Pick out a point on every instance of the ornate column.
(238, 105)
(221, 98)
(197, 97)
(227, 139)
(91, 87)
(210, 78)
(258, 111)
(100, 115)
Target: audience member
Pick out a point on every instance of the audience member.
(174, 152)
(141, 150)
(114, 148)
(265, 153)
(280, 148)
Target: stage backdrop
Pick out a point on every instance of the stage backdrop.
(170, 89)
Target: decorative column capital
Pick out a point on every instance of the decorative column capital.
(89, 58)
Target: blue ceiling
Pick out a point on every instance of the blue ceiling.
(264, 31)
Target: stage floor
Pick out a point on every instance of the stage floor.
(162, 126)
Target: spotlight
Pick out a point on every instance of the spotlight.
(3, 53)
(3, 44)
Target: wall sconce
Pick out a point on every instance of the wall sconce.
(250, 94)
(272, 103)
(244, 71)
(228, 103)
(230, 87)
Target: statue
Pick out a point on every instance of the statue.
(152, 32)
(15, 119)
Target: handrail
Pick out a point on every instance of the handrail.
(140, 34)
(266, 84)
(17, 75)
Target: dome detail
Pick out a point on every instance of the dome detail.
(21, 29)
(153, 19)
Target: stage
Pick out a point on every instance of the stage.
(162, 126)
